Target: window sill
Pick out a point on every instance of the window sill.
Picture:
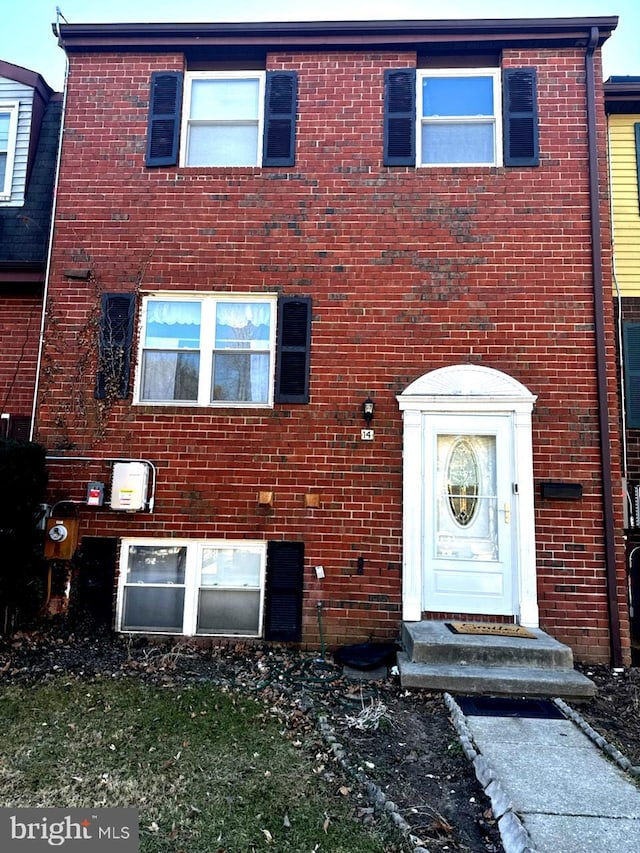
(219, 170)
(184, 407)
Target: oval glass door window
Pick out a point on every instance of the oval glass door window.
(463, 482)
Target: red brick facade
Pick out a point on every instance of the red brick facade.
(408, 270)
(19, 334)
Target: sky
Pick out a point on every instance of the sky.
(26, 37)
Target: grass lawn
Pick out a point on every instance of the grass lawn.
(209, 771)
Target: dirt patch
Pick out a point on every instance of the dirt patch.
(615, 711)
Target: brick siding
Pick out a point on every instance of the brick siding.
(409, 270)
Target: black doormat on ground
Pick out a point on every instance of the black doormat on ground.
(504, 706)
(366, 655)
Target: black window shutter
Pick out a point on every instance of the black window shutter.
(114, 345)
(163, 127)
(520, 117)
(285, 578)
(631, 351)
(399, 117)
(19, 427)
(636, 131)
(293, 350)
(281, 103)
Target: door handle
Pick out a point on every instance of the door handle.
(507, 514)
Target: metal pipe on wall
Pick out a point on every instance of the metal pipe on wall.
(601, 363)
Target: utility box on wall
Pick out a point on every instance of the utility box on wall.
(129, 486)
(61, 538)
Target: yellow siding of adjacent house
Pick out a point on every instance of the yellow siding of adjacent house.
(626, 205)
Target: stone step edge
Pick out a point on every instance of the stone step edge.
(602, 743)
(552, 682)
(513, 834)
(553, 659)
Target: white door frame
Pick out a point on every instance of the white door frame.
(467, 389)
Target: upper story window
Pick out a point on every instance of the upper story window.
(223, 119)
(459, 117)
(230, 118)
(8, 131)
(218, 350)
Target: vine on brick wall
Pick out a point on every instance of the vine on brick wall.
(79, 410)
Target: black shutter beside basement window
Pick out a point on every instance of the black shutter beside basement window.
(114, 345)
(280, 105)
(400, 117)
(293, 349)
(163, 127)
(520, 117)
(285, 579)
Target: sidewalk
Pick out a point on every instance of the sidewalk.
(551, 787)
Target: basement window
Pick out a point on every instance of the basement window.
(192, 587)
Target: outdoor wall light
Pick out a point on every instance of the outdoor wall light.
(367, 410)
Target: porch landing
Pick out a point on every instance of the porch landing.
(434, 658)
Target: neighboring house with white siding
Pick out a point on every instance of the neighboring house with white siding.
(30, 114)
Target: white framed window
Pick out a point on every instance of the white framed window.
(223, 118)
(8, 135)
(207, 351)
(204, 587)
(459, 117)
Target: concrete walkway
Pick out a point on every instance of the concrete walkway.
(551, 787)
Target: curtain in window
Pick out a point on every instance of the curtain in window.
(238, 373)
(171, 313)
(170, 376)
(240, 315)
(458, 143)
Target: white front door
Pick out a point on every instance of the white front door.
(468, 553)
(468, 534)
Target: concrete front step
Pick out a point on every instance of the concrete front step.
(494, 680)
(433, 643)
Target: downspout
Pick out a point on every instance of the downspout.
(601, 362)
(47, 273)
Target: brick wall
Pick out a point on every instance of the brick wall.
(408, 271)
(19, 335)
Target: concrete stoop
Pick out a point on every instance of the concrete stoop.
(435, 658)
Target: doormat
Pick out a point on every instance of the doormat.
(503, 706)
(490, 628)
